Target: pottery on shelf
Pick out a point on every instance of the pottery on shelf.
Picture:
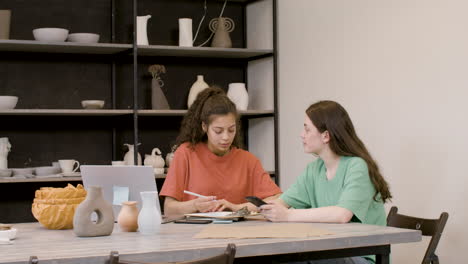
(128, 217)
(221, 26)
(158, 98)
(5, 17)
(198, 86)
(185, 32)
(142, 35)
(129, 157)
(149, 218)
(94, 202)
(155, 160)
(238, 95)
(5, 148)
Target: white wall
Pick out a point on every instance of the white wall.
(400, 68)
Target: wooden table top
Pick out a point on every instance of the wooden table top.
(174, 242)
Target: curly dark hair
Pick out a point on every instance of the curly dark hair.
(209, 102)
(332, 117)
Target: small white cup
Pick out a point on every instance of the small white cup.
(118, 163)
(67, 165)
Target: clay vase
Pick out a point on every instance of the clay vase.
(149, 218)
(158, 98)
(128, 217)
(221, 27)
(238, 95)
(83, 226)
(196, 88)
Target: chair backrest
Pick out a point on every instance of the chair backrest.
(428, 227)
(226, 258)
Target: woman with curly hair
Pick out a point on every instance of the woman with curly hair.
(209, 161)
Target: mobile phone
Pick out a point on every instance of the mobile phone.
(193, 221)
(255, 200)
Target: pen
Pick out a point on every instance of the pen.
(195, 194)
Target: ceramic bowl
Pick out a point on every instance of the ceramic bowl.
(5, 173)
(92, 104)
(50, 34)
(8, 102)
(47, 170)
(83, 37)
(9, 234)
(22, 171)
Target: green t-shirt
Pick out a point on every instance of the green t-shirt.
(351, 188)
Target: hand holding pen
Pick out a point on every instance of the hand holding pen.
(204, 203)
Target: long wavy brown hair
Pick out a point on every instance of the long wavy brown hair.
(209, 103)
(332, 117)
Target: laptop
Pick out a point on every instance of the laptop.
(120, 183)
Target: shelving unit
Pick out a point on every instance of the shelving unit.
(51, 79)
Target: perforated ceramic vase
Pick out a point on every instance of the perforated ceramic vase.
(84, 225)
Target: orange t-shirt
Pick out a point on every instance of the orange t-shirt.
(231, 177)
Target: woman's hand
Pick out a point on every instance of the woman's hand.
(205, 204)
(224, 205)
(275, 212)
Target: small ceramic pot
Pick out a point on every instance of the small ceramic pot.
(128, 217)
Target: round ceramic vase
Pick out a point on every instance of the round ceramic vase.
(128, 217)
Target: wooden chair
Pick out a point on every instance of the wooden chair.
(226, 258)
(428, 227)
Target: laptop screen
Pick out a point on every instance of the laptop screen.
(120, 183)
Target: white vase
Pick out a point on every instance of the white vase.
(238, 94)
(196, 88)
(149, 218)
(185, 32)
(142, 35)
(5, 147)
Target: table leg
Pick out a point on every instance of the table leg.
(383, 257)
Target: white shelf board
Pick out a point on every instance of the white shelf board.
(55, 179)
(67, 112)
(202, 52)
(62, 47)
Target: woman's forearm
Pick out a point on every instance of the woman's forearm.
(328, 214)
(174, 207)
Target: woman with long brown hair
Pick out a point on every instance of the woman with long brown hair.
(209, 161)
(342, 185)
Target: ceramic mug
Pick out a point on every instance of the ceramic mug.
(67, 165)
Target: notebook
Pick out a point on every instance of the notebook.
(120, 183)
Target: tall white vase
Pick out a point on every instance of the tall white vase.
(142, 35)
(238, 94)
(185, 32)
(196, 88)
(5, 147)
(149, 218)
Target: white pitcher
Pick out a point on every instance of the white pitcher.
(129, 156)
(196, 88)
(142, 35)
(5, 147)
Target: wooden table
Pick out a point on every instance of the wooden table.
(174, 242)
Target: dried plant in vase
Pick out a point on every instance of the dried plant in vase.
(158, 98)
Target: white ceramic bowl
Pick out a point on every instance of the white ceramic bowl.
(50, 34)
(92, 104)
(47, 170)
(8, 102)
(22, 171)
(83, 37)
(9, 234)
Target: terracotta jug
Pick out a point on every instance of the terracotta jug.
(221, 27)
(128, 217)
(83, 226)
